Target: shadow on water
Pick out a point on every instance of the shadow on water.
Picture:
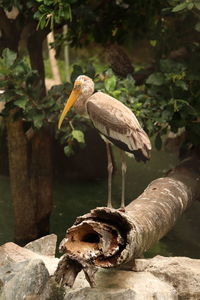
(76, 198)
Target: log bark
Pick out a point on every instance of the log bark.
(109, 238)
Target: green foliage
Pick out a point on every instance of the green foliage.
(167, 100)
(185, 5)
(22, 88)
(87, 70)
(51, 12)
(78, 135)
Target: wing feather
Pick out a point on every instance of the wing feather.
(118, 123)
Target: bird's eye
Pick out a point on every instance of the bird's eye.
(77, 87)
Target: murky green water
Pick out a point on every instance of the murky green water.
(76, 198)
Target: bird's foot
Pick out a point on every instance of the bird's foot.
(109, 206)
(109, 203)
(122, 209)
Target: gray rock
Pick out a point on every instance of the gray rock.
(44, 246)
(11, 253)
(159, 278)
(183, 273)
(8, 271)
(31, 280)
(101, 294)
(119, 284)
(24, 274)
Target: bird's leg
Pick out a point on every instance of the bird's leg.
(110, 170)
(124, 168)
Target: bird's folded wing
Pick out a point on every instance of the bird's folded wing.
(113, 119)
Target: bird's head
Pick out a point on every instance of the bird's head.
(83, 86)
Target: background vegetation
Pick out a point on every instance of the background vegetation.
(162, 88)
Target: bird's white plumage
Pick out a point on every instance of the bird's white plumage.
(113, 119)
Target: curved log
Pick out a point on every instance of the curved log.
(109, 238)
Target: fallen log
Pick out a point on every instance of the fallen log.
(109, 238)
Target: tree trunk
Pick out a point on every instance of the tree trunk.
(10, 32)
(23, 205)
(52, 59)
(42, 158)
(35, 50)
(31, 192)
(25, 228)
(42, 179)
(108, 238)
(66, 54)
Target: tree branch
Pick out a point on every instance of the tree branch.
(108, 238)
(5, 23)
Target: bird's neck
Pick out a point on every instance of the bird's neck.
(80, 105)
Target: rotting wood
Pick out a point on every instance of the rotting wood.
(107, 237)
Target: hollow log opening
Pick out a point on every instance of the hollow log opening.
(98, 237)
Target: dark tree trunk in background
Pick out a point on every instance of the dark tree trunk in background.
(31, 177)
(42, 156)
(35, 49)
(10, 32)
(42, 179)
(23, 204)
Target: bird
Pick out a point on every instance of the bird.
(116, 123)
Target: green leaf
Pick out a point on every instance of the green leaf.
(182, 84)
(179, 7)
(77, 70)
(68, 150)
(156, 79)
(78, 135)
(190, 6)
(110, 83)
(90, 70)
(38, 120)
(158, 142)
(21, 102)
(116, 93)
(197, 27)
(153, 43)
(197, 5)
(9, 57)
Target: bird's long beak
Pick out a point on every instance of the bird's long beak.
(72, 98)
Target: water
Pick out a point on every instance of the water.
(76, 198)
(6, 213)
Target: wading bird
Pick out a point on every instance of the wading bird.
(116, 122)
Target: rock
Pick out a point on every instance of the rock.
(182, 273)
(25, 274)
(31, 280)
(160, 277)
(12, 253)
(119, 284)
(9, 270)
(45, 245)
(101, 294)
